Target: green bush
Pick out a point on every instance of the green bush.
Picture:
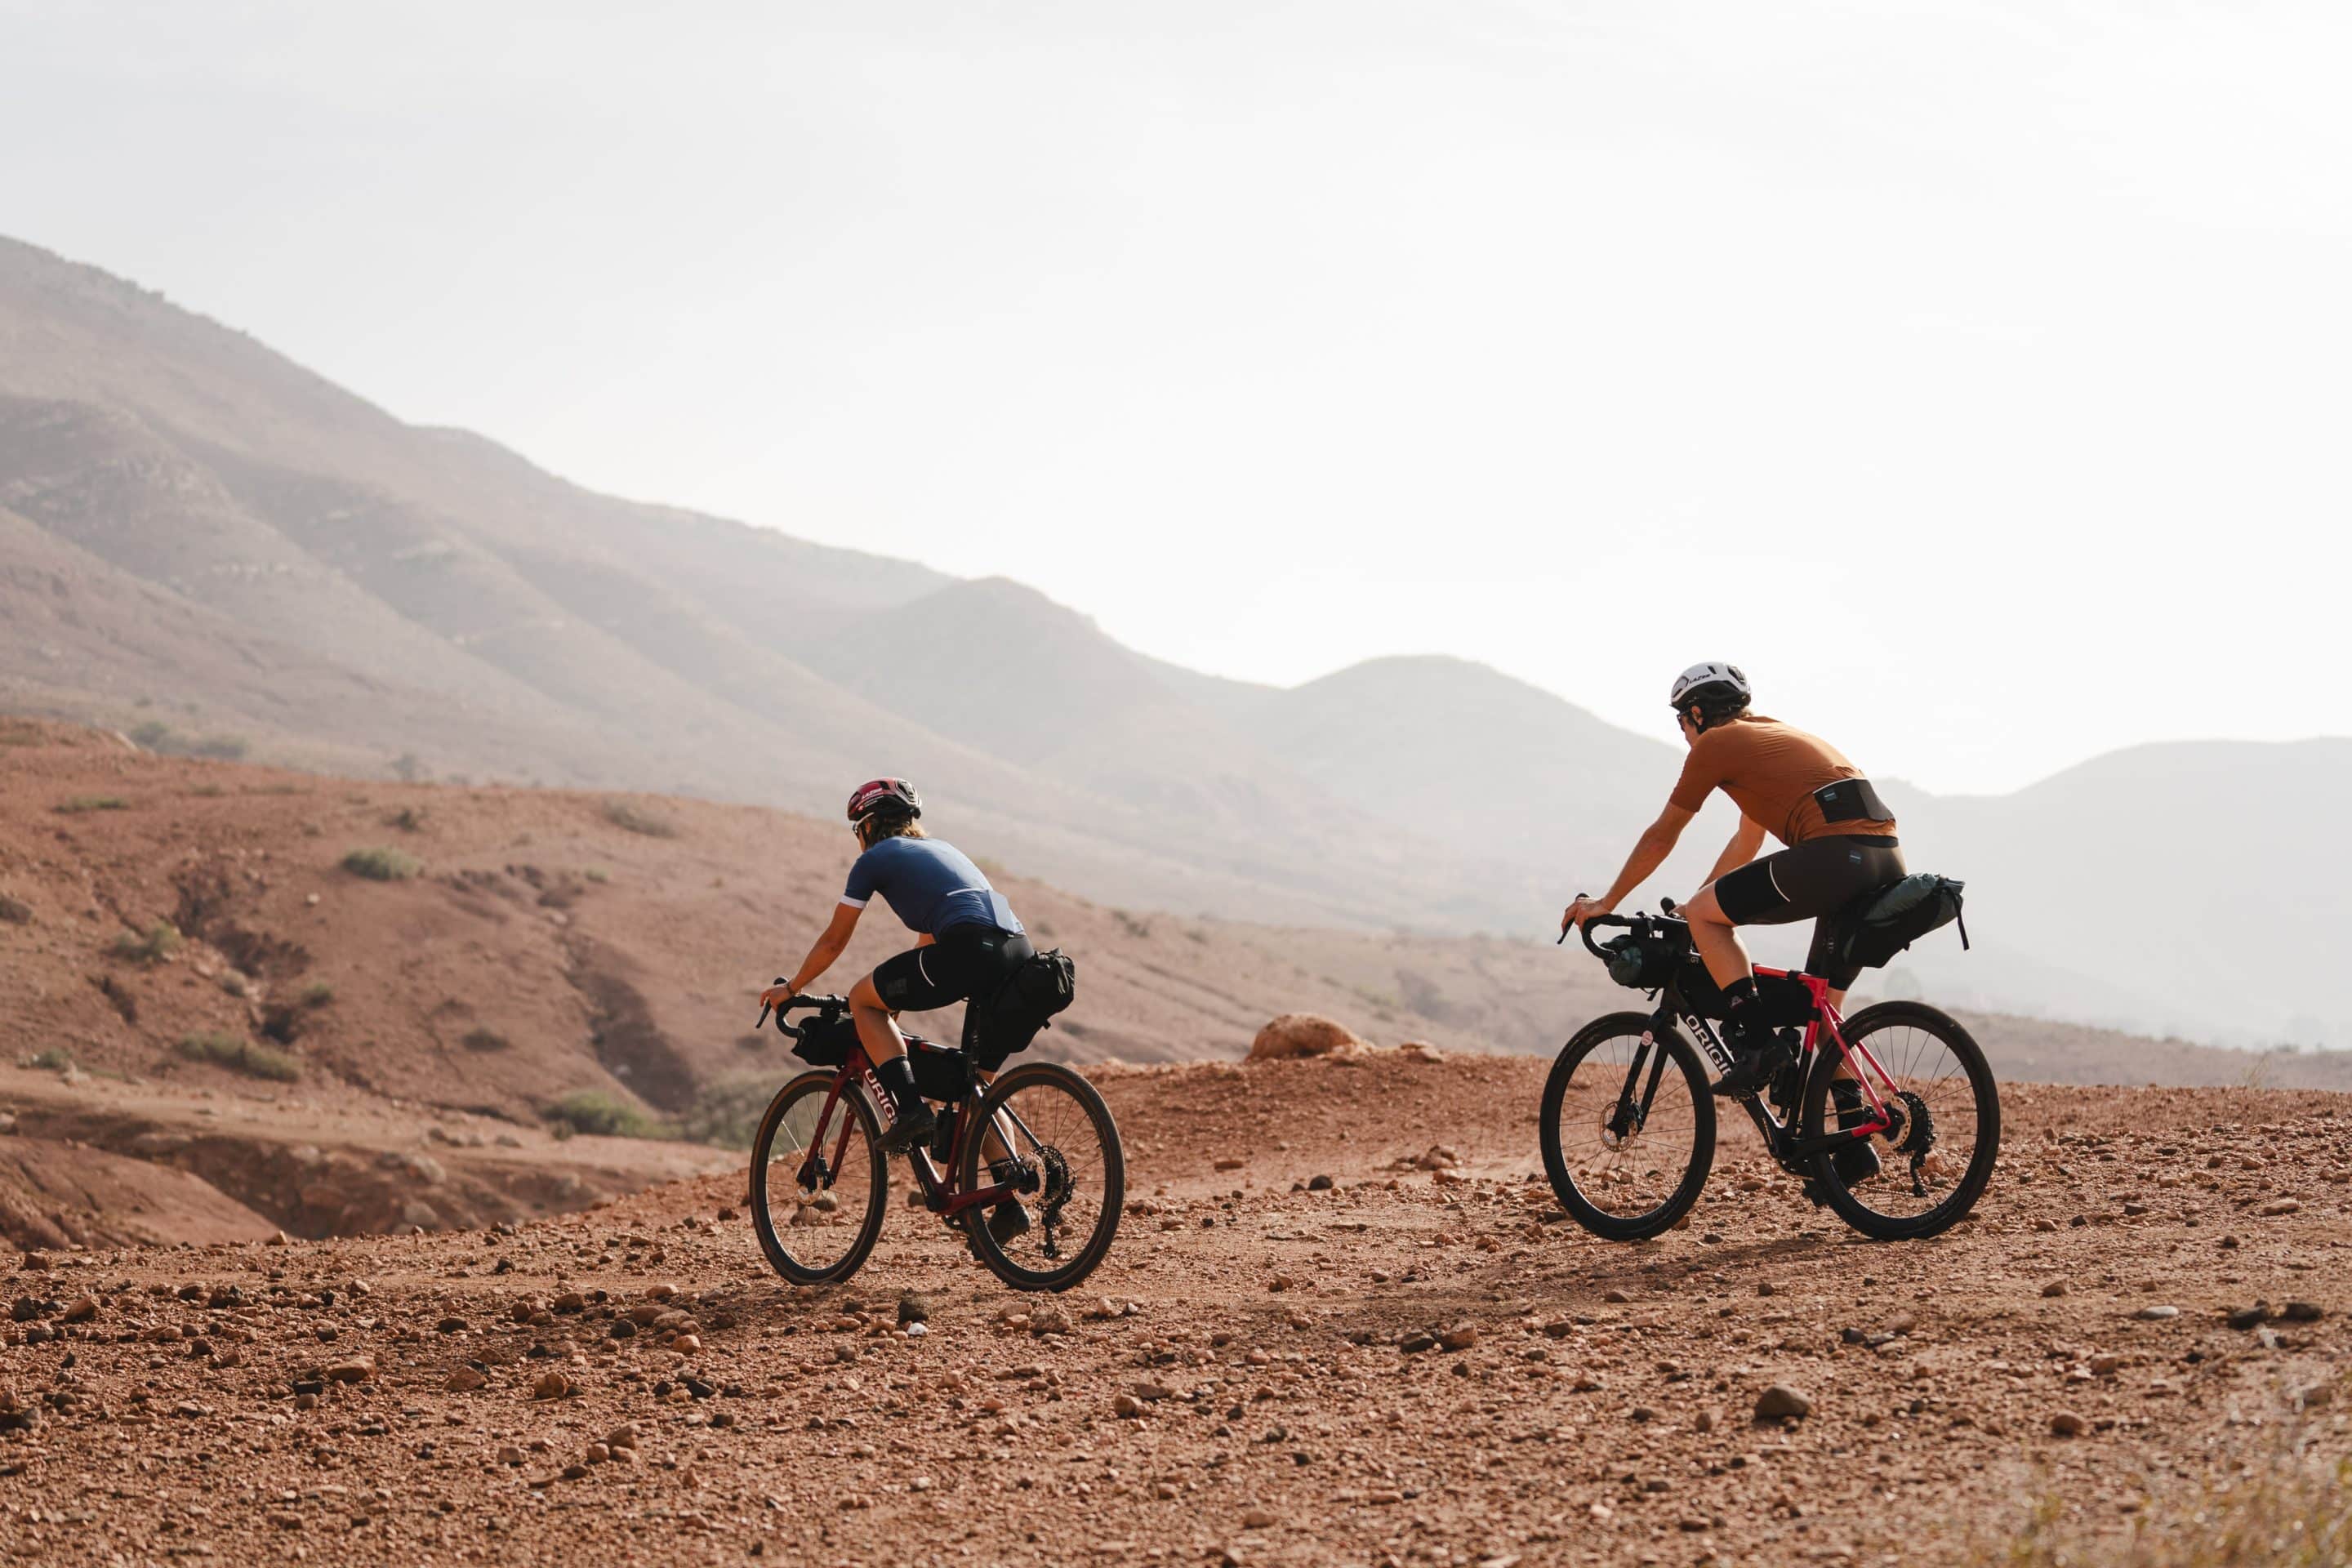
(408, 819)
(318, 994)
(485, 1041)
(240, 1055)
(151, 735)
(82, 802)
(155, 944)
(635, 819)
(728, 1112)
(56, 1058)
(220, 748)
(383, 865)
(593, 1112)
(597, 873)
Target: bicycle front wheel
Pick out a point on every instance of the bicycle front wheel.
(819, 1183)
(1050, 1131)
(1627, 1127)
(1919, 1177)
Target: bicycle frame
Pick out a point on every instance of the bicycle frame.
(1780, 1136)
(939, 1195)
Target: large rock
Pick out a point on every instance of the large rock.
(1305, 1035)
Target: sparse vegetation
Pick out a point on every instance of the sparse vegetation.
(597, 873)
(318, 994)
(408, 819)
(599, 1114)
(240, 1055)
(408, 768)
(83, 803)
(55, 1058)
(383, 865)
(628, 815)
(16, 912)
(2294, 1512)
(728, 1112)
(485, 1041)
(154, 735)
(154, 945)
(208, 791)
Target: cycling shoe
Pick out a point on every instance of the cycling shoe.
(914, 1128)
(1008, 1220)
(1752, 1069)
(1856, 1163)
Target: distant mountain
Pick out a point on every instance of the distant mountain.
(207, 545)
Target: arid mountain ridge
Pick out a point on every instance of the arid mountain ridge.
(206, 546)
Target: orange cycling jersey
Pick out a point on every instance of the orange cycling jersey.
(1770, 772)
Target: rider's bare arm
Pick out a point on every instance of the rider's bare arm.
(1746, 840)
(1650, 852)
(828, 948)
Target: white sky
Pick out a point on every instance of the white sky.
(1976, 375)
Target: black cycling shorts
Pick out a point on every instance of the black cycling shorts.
(965, 961)
(1812, 880)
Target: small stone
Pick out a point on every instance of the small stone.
(1127, 1406)
(912, 1307)
(1460, 1336)
(451, 1325)
(464, 1380)
(509, 1454)
(2067, 1424)
(2278, 1206)
(1780, 1402)
(2293, 1312)
(2157, 1314)
(359, 1369)
(551, 1385)
(687, 1345)
(82, 1310)
(2245, 1318)
(1414, 1344)
(625, 1436)
(1319, 1185)
(2056, 1288)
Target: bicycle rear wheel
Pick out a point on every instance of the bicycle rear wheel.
(1933, 1166)
(819, 1230)
(1627, 1127)
(1072, 1169)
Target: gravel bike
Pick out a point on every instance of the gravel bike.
(1038, 1135)
(1628, 1125)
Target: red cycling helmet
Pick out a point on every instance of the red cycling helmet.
(883, 794)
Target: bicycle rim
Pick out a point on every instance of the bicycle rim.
(1055, 1123)
(1627, 1127)
(1936, 1164)
(821, 1231)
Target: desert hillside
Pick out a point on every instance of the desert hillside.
(204, 545)
(1412, 1360)
(341, 1007)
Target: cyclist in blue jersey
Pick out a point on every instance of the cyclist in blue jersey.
(967, 943)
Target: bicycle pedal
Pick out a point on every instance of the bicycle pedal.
(1812, 1190)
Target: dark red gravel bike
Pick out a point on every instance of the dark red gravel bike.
(1890, 1118)
(1037, 1136)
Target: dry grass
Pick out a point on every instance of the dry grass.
(154, 945)
(240, 1055)
(2294, 1512)
(599, 1114)
(629, 816)
(383, 865)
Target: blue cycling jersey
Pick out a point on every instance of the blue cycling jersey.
(930, 886)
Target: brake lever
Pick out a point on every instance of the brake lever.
(1566, 929)
(765, 1009)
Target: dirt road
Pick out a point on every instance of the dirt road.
(1244, 1380)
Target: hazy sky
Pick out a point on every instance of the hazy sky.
(1977, 375)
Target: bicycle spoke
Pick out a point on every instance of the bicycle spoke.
(819, 1223)
(1624, 1164)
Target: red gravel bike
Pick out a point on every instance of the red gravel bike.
(1026, 1163)
(1889, 1118)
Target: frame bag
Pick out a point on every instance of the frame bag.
(1884, 923)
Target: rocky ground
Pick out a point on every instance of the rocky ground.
(1418, 1364)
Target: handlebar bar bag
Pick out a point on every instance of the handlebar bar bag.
(1044, 985)
(826, 1039)
(1879, 925)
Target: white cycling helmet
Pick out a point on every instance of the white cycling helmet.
(1708, 683)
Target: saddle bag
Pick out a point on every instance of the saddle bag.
(1882, 923)
(1044, 985)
